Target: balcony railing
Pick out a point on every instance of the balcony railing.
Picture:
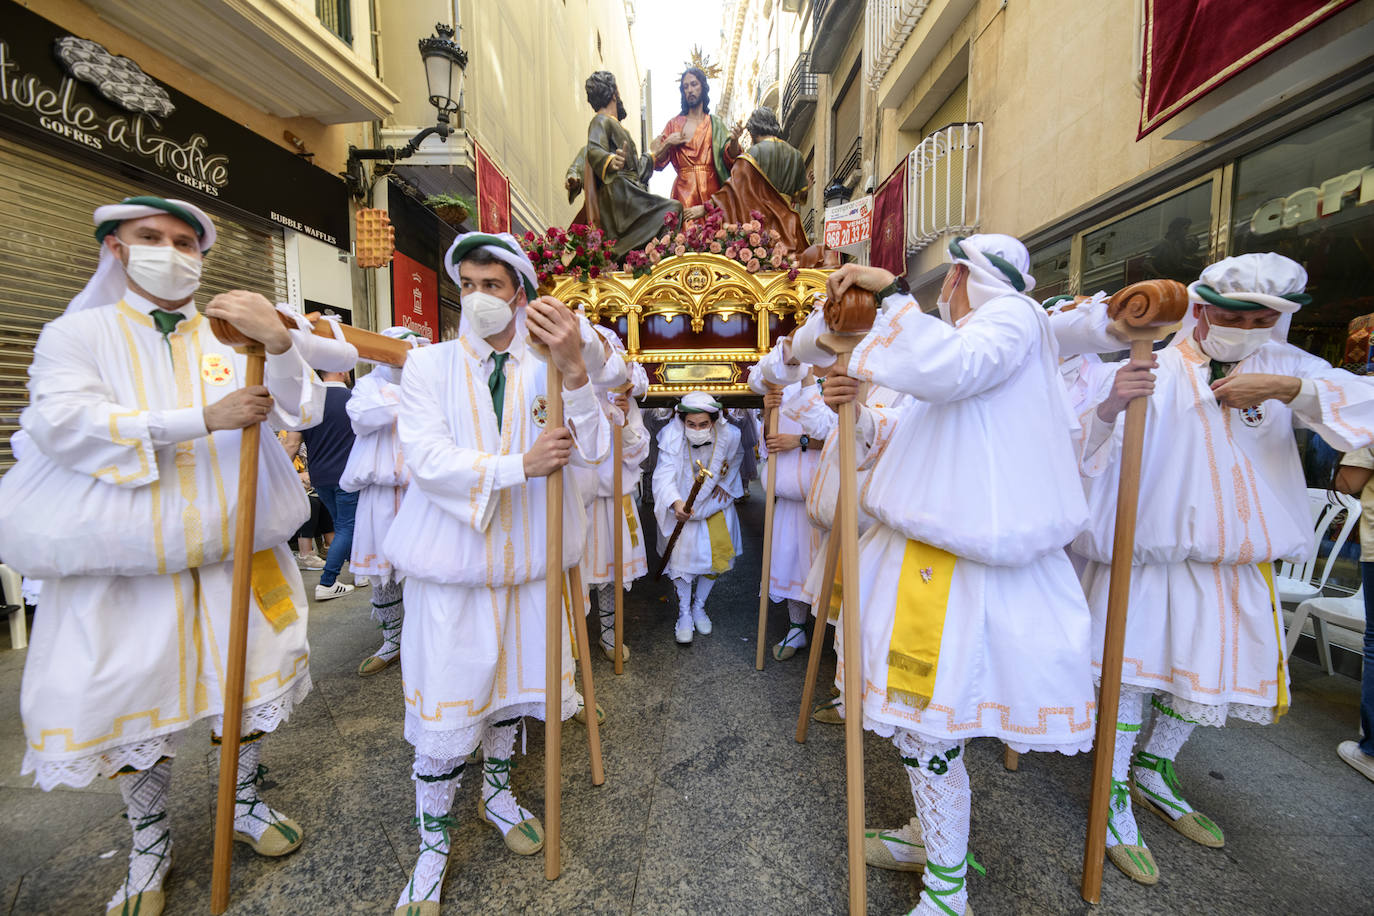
(337, 17)
(889, 23)
(850, 161)
(799, 97)
(944, 175)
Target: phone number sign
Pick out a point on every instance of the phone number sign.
(849, 226)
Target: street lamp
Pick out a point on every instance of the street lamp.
(838, 193)
(445, 66)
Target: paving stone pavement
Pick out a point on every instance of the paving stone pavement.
(709, 805)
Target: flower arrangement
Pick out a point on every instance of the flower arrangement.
(749, 243)
(581, 251)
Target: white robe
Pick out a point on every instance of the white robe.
(796, 541)
(1219, 496)
(469, 538)
(610, 510)
(982, 465)
(135, 545)
(672, 481)
(376, 470)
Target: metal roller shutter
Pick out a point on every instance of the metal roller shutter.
(47, 252)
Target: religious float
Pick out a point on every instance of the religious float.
(699, 320)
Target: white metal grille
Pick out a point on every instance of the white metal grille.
(888, 23)
(944, 174)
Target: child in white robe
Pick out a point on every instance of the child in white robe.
(699, 436)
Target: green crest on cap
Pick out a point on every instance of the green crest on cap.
(159, 203)
(482, 240)
(1212, 297)
(1052, 301)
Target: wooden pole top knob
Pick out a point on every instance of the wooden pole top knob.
(1149, 304)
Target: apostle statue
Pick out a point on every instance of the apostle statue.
(771, 179)
(624, 207)
(697, 143)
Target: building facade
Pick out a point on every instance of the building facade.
(108, 98)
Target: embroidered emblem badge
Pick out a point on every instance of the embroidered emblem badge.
(927, 574)
(216, 368)
(1252, 416)
(540, 411)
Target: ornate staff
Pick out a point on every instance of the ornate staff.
(849, 319)
(770, 497)
(374, 347)
(1145, 312)
(702, 474)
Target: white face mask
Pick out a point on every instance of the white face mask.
(1231, 345)
(698, 436)
(163, 271)
(486, 314)
(946, 310)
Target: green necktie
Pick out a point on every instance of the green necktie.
(497, 384)
(1218, 370)
(166, 323)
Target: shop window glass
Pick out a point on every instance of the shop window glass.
(1166, 240)
(1310, 196)
(1050, 268)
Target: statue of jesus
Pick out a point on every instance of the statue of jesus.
(697, 143)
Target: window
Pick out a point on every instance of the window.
(337, 17)
(1166, 239)
(1050, 268)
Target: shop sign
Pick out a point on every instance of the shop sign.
(1308, 204)
(848, 226)
(415, 296)
(76, 94)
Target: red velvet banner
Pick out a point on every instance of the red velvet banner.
(887, 245)
(493, 195)
(1193, 46)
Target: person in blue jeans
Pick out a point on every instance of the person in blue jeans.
(1356, 477)
(326, 452)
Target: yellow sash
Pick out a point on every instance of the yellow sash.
(919, 623)
(630, 519)
(272, 591)
(1267, 570)
(722, 548)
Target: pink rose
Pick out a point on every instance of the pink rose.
(753, 265)
(680, 249)
(655, 257)
(720, 234)
(755, 240)
(744, 255)
(715, 248)
(731, 251)
(760, 252)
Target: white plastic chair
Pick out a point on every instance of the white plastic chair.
(1345, 612)
(1294, 582)
(12, 598)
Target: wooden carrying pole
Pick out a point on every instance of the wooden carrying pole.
(578, 612)
(553, 642)
(1144, 311)
(232, 729)
(849, 317)
(376, 347)
(618, 529)
(770, 497)
(822, 608)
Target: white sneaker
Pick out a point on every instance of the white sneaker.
(702, 621)
(684, 628)
(364, 582)
(1350, 752)
(310, 561)
(325, 592)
